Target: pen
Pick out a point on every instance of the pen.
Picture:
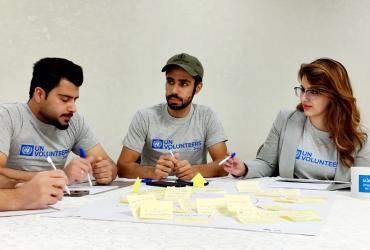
(146, 180)
(172, 153)
(228, 157)
(83, 155)
(52, 164)
(188, 183)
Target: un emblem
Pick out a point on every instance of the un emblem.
(157, 143)
(298, 154)
(26, 150)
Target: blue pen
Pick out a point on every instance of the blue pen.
(146, 180)
(83, 155)
(228, 157)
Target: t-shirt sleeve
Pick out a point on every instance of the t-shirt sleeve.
(137, 133)
(6, 131)
(215, 133)
(84, 136)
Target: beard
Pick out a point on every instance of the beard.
(183, 104)
(55, 122)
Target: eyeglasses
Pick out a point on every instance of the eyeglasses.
(310, 93)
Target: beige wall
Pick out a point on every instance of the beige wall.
(250, 49)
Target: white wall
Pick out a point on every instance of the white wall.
(251, 51)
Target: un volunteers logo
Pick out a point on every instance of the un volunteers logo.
(157, 143)
(298, 154)
(26, 150)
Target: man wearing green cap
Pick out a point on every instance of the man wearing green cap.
(174, 137)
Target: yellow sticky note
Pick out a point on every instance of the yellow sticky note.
(272, 207)
(287, 200)
(300, 215)
(136, 186)
(182, 206)
(159, 210)
(198, 181)
(248, 186)
(267, 193)
(135, 201)
(123, 200)
(290, 193)
(300, 200)
(177, 193)
(235, 203)
(214, 190)
(209, 206)
(257, 216)
(312, 200)
(157, 192)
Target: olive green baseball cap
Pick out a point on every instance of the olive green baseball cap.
(189, 63)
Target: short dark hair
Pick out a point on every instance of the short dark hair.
(48, 72)
(197, 79)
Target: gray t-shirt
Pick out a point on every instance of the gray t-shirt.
(153, 132)
(27, 141)
(316, 156)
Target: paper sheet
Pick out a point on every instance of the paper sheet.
(112, 210)
(300, 185)
(27, 212)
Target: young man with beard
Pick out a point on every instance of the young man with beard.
(188, 130)
(48, 125)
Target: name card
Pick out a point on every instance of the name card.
(364, 183)
(360, 182)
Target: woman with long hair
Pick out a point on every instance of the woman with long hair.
(321, 139)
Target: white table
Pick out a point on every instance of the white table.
(346, 227)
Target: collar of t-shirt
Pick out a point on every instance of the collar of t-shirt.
(324, 137)
(46, 128)
(175, 120)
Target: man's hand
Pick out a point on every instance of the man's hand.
(184, 170)
(78, 169)
(6, 182)
(164, 166)
(103, 170)
(235, 167)
(45, 188)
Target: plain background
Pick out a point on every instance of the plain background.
(251, 51)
